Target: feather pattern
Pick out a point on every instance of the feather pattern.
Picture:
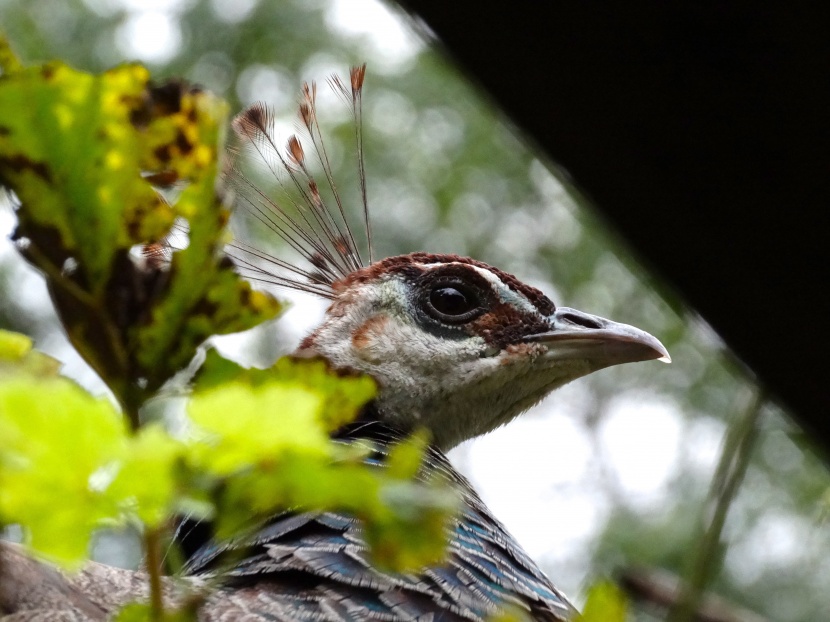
(316, 566)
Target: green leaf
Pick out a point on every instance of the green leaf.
(68, 151)
(247, 426)
(142, 612)
(606, 603)
(405, 458)
(13, 346)
(405, 522)
(55, 440)
(343, 393)
(147, 482)
(269, 437)
(18, 357)
(408, 526)
(260, 445)
(81, 152)
(9, 63)
(204, 295)
(134, 612)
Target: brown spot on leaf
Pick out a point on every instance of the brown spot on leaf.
(167, 97)
(184, 145)
(205, 307)
(162, 153)
(19, 163)
(158, 101)
(163, 179)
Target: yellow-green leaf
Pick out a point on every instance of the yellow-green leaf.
(146, 482)
(55, 442)
(405, 458)
(81, 152)
(142, 612)
(69, 151)
(606, 603)
(343, 393)
(13, 346)
(18, 357)
(247, 426)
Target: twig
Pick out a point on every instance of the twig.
(152, 546)
(730, 472)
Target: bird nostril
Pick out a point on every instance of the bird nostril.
(581, 320)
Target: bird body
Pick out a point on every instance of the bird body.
(316, 566)
(458, 348)
(458, 368)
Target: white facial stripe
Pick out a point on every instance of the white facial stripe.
(506, 294)
(391, 292)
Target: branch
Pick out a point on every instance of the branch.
(37, 592)
(31, 591)
(664, 590)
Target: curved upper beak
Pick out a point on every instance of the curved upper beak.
(577, 335)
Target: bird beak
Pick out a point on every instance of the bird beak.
(577, 335)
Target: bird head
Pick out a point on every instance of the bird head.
(459, 347)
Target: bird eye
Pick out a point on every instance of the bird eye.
(453, 303)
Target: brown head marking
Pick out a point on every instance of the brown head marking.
(406, 264)
(362, 337)
(504, 324)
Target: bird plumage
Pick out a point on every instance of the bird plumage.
(458, 347)
(316, 566)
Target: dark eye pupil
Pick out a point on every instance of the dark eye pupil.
(450, 301)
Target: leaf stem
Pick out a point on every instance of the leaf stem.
(152, 546)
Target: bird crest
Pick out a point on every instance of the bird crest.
(320, 233)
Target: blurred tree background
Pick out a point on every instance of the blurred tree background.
(609, 473)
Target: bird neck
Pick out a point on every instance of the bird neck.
(370, 426)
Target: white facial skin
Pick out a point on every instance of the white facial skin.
(458, 387)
